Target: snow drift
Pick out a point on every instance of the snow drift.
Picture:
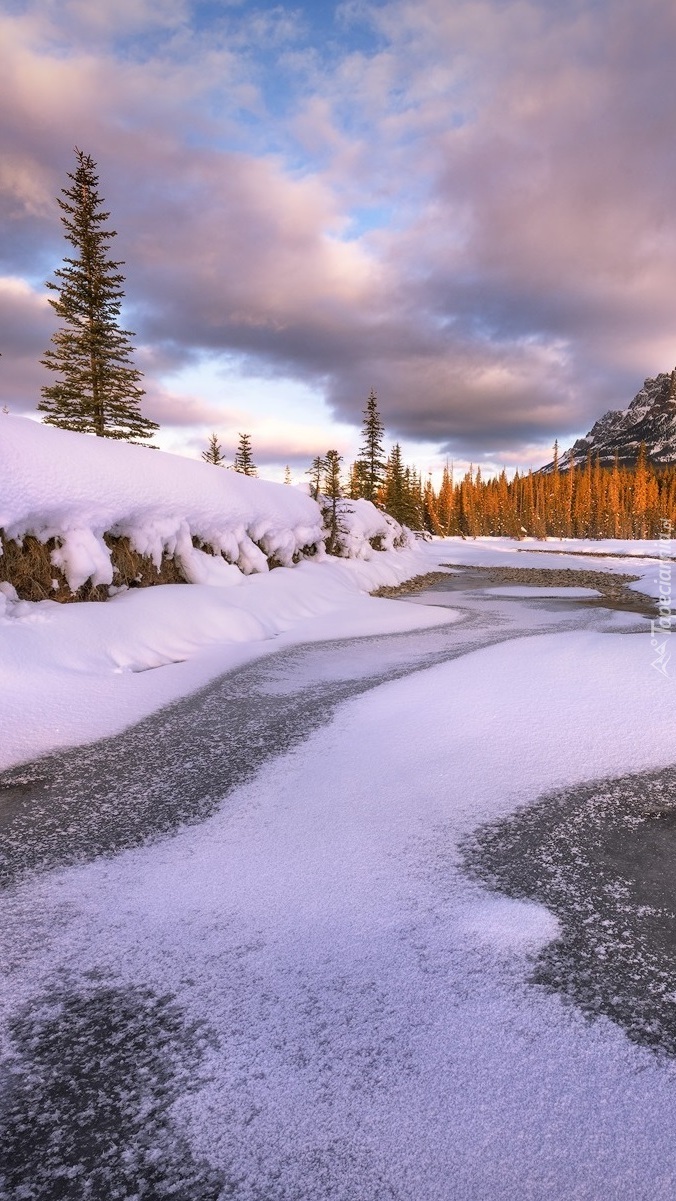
(213, 523)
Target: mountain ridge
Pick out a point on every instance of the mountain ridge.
(650, 419)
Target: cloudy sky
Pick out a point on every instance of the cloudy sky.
(467, 205)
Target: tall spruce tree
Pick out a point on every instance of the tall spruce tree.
(98, 391)
(372, 460)
(394, 498)
(243, 457)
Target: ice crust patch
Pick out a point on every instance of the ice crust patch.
(371, 1024)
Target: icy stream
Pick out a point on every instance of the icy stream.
(178, 765)
(251, 965)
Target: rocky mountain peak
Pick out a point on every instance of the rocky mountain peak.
(650, 418)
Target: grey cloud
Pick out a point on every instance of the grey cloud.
(27, 324)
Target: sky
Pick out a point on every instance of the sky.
(465, 205)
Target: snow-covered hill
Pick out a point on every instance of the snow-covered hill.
(650, 418)
(213, 524)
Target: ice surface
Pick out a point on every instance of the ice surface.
(373, 1034)
(71, 673)
(542, 591)
(323, 1003)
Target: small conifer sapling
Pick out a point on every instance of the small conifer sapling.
(243, 457)
(213, 453)
(316, 473)
(372, 462)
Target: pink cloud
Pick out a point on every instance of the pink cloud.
(516, 158)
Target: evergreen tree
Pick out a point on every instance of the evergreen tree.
(213, 453)
(446, 504)
(243, 458)
(640, 498)
(316, 472)
(412, 500)
(357, 485)
(430, 508)
(556, 521)
(593, 502)
(287, 474)
(568, 494)
(99, 389)
(333, 492)
(394, 498)
(373, 464)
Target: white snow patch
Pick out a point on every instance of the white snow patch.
(507, 925)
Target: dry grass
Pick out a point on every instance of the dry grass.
(27, 565)
(137, 571)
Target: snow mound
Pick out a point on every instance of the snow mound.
(217, 525)
(364, 530)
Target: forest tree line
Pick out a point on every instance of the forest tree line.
(580, 502)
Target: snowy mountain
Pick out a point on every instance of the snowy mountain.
(650, 418)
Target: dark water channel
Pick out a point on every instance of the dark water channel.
(602, 858)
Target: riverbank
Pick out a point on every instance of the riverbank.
(612, 588)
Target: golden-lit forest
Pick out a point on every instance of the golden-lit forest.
(583, 502)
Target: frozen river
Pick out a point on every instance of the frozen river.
(253, 946)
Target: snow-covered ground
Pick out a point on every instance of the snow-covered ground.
(350, 1014)
(70, 673)
(369, 1027)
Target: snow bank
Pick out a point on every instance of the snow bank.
(72, 673)
(364, 530)
(73, 487)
